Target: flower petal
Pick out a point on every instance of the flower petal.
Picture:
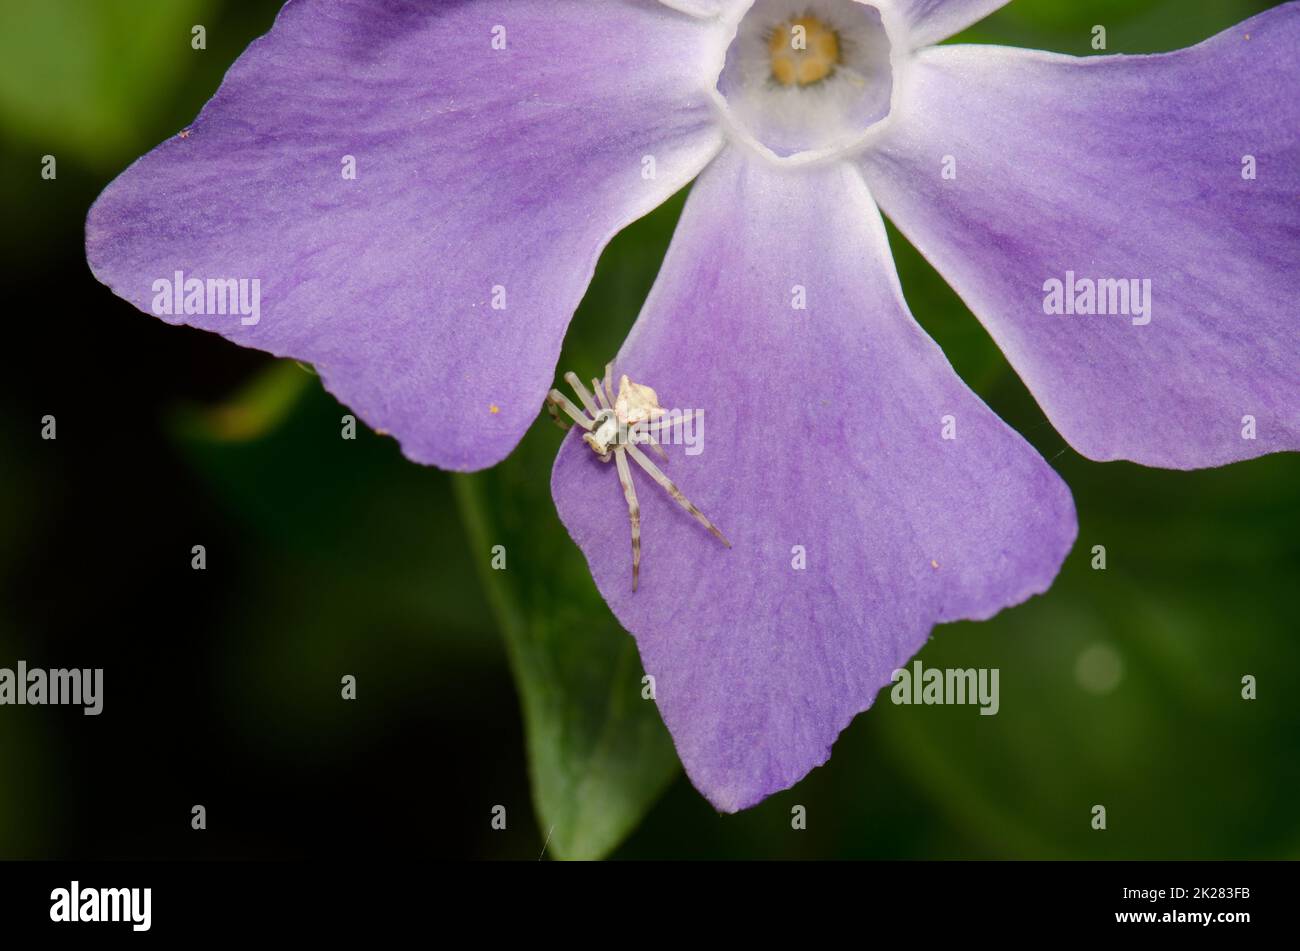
(823, 436)
(934, 20)
(484, 177)
(1122, 167)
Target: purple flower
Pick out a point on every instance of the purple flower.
(412, 196)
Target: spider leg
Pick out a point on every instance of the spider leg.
(600, 395)
(555, 416)
(654, 444)
(644, 462)
(556, 398)
(572, 379)
(633, 511)
(663, 425)
(609, 386)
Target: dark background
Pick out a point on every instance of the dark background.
(328, 557)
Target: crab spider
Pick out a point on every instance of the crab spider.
(614, 428)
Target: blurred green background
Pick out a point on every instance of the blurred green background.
(477, 688)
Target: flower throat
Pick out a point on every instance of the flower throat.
(804, 51)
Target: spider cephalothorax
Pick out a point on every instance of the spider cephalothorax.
(615, 428)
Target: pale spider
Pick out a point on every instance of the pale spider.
(614, 428)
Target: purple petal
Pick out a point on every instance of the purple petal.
(823, 429)
(1121, 168)
(477, 169)
(933, 20)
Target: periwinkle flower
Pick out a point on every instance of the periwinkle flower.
(1125, 227)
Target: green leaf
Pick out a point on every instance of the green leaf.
(599, 755)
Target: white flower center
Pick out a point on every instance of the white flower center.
(808, 76)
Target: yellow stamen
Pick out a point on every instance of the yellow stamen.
(804, 51)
